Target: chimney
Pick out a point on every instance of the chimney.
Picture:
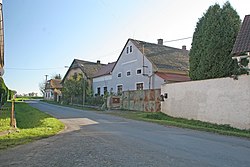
(160, 41)
(98, 62)
(184, 47)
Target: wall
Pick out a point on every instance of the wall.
(221, 101)
(142, 100)
(102, 81)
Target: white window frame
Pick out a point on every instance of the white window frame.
(127, 73)
(137, 70)
(118, 75)
(117, 88)
(139, 83)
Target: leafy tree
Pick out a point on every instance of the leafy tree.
(213, 40)
(73, 89)
(57, 76)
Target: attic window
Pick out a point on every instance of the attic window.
(119, 75)
(129, 49)
(138, 71)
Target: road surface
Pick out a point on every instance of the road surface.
(95, 139)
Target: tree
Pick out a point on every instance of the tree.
(213, 40)
(42, 87)
(56, 76)
(73, 89)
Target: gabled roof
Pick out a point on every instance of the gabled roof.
(88, 68)
(242, 43)
(53, 84)
(164, 58)
(105, 70)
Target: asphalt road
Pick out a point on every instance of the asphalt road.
(94, 139)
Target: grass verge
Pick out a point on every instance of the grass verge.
(163, 119)
(32, 125)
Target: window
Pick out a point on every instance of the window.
(138, 71)
(119, 89)
(139, 86)
(129, 49)
(105, 90)
(98, 91)
(119, 75)
(128, 73)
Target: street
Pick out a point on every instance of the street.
(95, 139)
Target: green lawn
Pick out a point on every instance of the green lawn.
(163, 119)
(32, 125)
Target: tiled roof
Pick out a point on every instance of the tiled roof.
(88, 68)
(164, 57)
(173, 77)
(106, 69)
(54, 84)
(242, 43)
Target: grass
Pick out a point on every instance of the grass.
(163, 119)
(32, 125)
(27, 98)
(72, 106)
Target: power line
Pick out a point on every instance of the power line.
(34, 69)
(177, 39)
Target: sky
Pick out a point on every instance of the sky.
(41, 37)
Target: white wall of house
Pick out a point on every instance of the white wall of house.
(126, 70)
(49, 94)
(221, 101)
(101, 83)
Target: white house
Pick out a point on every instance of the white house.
(142, 65)
(53, 89)
(102, 80)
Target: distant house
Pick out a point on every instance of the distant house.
(241, 48)
(102, 80)
(142, 65)
(53, 89)
(86, 68)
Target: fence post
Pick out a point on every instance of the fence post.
(12, 115)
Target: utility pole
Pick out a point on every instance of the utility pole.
(46, 77)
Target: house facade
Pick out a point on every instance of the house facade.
(53, 90)
(102, 80)
(142, 65)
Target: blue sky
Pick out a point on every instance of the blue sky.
(43, 36)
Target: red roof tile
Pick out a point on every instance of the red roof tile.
(173, 77)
